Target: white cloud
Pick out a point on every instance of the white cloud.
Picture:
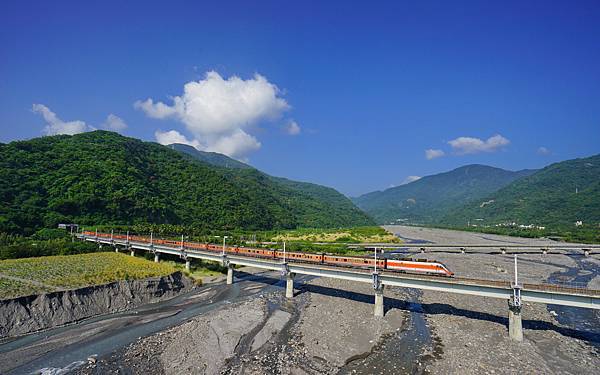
(55, 125)
(292, 128)
(470, 145)
(237, 144)
(115, 123)
(173, 136)
(543, 151)
(410, 179)
(432, 154)
(218, 111)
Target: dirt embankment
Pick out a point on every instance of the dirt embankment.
(37, 312)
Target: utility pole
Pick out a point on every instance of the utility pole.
(224, 238)
(283, 251)
(375, 260)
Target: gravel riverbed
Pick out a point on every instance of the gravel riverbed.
(329, 327)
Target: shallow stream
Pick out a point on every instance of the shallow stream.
(585, 321)
(401, 351)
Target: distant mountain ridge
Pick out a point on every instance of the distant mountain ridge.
(429, 199)
(555, 196)
(213, 158)
(101, 177)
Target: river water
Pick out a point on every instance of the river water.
(585, 321)
(400, 352)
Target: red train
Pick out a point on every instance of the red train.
(420, 266)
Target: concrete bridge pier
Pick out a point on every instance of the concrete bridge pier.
(586, 252)
(132, 252)
(156, 257)
(515, 324)
(187, 264)
(289, 285)
(116, 249)
(379, 311)
(229, 275)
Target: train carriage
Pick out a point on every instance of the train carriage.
(417, 266)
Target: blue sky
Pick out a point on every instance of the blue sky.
(370, 87)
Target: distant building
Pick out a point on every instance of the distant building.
(69, 227)
(578, 223)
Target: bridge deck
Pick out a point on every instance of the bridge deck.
(539, 293)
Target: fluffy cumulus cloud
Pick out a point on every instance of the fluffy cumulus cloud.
(410, 179)
(114, 123)
(173, 136)
(543, 151)
(432, 154)
(217, 112)
(55, 125)
(292, 128)
(470, 145)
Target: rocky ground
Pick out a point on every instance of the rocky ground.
(446, 236)
(329, 327)
(473, 331)
(328, 324)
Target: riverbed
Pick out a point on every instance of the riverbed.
(329, 327)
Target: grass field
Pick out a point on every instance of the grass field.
(28, 276)
(349, 235)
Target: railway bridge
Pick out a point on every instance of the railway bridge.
(514, 292)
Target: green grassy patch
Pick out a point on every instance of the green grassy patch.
(340, 235)
(10, 288)
(199, 268)
(73, 271)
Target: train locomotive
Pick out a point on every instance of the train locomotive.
(414, 266)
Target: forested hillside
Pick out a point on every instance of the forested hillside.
(430, 198)
(213, 158)
(296, 192)
(103, 178)
(556, 196)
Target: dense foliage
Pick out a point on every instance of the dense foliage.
(104, 178)
(213, 158)
(301, 197)
(554, 197)
(43, 243)
(426, 200)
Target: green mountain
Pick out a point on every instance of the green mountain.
(104, 178)
(430, 198)
(213, 158)
(304, 197)
(556, 196)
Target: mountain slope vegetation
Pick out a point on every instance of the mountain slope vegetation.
(556, 196)
(302, 197)
(102, 177)
(430, 198)
(213, 158)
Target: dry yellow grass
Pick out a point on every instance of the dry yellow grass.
(34, 275)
